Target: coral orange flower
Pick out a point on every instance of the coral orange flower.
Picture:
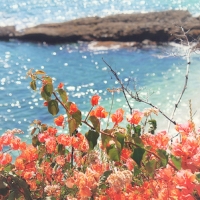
(125, 154)
(185, 128)
(59, 120)
(43, 136)
(28, 175)
(1, 145)
(117, 117)
(60, 160)
(45, 103)
(6, 159)
(22, 146)
(99, 112)
(19, 164)
(130, 163)
(15, 143)
(64, 140)
(52, 131)
(73, 108)
(6, 138)
(50, 144)
(135, 118)
(158, 141)
(30, 153)
(75, 142)
(70, 182)
(85, 191)
(95, 100)
(84, 146)
(92, 113)
(185, 180)
(60, 86)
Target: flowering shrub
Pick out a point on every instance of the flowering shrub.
(112, 164)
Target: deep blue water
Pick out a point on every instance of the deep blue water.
(81, 68)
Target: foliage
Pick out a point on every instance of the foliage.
(105, 163)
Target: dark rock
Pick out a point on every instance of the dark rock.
(146, 28)
(7, 32)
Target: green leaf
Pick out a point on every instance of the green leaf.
(95, 122)
(12, 195)
(8, 167)
(72, 125)
(61, 149)
(53, 107)
(150, 167)
(153, 126)
(41, 153)
(39, 72)
(176, 161)
(138, 141)
(198, 177)
(63, 95)
(137, 155)
(44, 127)
(128, 128)
(105, 139)
(45, 96)
(137, 171)
(103, 178)
(48, 79)
(120, 138)
(35, 141)
(77, 116)
(33, 85)
(48, 89)
(92, 137)
(163, 156)
(67, 104)
(137, 130)
(119, 147)
(113, 153)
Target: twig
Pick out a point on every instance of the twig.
(110, 110)
(60, 101)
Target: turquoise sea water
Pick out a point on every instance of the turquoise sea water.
(81, 68)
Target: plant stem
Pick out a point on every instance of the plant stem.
(110, 110)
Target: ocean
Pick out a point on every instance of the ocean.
(156, 74)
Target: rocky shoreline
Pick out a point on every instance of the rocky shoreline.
(133, 29)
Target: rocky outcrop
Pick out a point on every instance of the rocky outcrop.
(7, 32)
(139, 27)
